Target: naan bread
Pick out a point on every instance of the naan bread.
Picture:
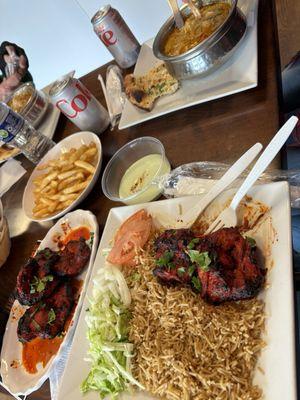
(142, 91)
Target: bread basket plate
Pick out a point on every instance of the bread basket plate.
(239, 73)
(277, 359)
(14, 376)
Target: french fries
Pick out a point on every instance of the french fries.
(63, 179)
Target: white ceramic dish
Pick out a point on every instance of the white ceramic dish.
(236, 75)
(75, 140)
(278, 358)
(17, 380)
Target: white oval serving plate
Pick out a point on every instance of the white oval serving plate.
(17, 380)
(76, 140)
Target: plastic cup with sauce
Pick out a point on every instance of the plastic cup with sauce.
(132, 173)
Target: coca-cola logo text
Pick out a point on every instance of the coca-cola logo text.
(78, 103)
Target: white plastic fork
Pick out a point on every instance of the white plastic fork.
(228, 217)
(233, 172)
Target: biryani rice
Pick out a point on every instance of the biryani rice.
(188, 349)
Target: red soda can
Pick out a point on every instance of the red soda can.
(77, 103)
(113, 31)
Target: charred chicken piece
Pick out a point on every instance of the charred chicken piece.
(234, 273)
(46, 258)
(35, 279)
(222, 266)
(73, 258)
(171, 258)
(47, 318)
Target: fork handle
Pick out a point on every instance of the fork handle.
(265, 159)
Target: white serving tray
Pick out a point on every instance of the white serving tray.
(17, 380)
(239, 73)
(278, 358)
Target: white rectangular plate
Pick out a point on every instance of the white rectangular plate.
(239, 73)
(277, 359)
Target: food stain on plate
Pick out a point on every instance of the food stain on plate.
(17, 312)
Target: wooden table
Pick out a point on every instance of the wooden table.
(220, 130)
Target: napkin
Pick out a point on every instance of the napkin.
(10, 173)
(58, 367)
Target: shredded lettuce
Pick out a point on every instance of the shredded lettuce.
(108, 320)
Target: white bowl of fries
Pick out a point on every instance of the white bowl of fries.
(64, 177)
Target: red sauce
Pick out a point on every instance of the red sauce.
(41, 350)
(76, 234)
(71, 234)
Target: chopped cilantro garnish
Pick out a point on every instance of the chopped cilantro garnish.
(251, 241)
(196, 284)
(46, 253)
(38, 285)
(51, 316)
(191, 270)
(171, 265)
(160, 86)
(165, 259)
(192, 243)
(181, 271)
(201, 259)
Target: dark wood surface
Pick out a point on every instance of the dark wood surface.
(287, 14)
(220, 130)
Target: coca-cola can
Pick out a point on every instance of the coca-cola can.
(77, 103)
(113, 31)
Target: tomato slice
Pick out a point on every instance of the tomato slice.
(131, 236)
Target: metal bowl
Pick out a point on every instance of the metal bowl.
(31, 103)
(207, 55)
